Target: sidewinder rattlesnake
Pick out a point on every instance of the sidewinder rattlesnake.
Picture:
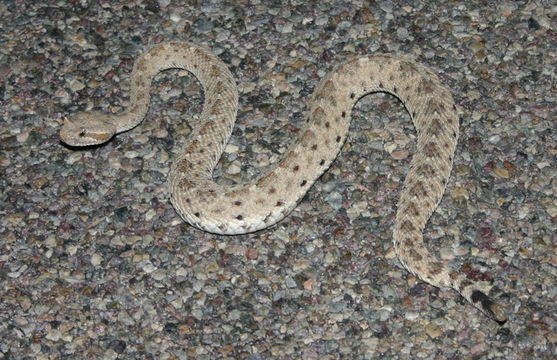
(264, 201)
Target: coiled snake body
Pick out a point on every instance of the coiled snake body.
(262, 202)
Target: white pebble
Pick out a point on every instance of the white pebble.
(96, 259)
(234, 168)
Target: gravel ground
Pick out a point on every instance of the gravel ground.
(95, 263)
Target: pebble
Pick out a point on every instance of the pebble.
(234, 168)
(76, 85)
(96, 259)
(54, 335)
(386, 6)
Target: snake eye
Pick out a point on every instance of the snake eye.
(82, 133)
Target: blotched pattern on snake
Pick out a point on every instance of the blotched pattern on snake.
(263, 201)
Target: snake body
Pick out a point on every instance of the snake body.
(264, 201)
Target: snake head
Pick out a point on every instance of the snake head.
(87, 129)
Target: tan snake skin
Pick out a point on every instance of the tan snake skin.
(264, 201)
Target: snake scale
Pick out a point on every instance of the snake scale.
(262, 202)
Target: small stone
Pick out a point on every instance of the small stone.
(158, 274)
(131, 154)
(51, 242)
(25, 303)
(446, 253)
(73, 157)
(308, 284)
(78, 38)
(182, 272)
(329, 258)
(252, 253)
(371, 343)
(494, 139)
(150, 215)
(433, 330)
(286, 28)
(76, 85)
(510, 167)
(400, 154)
(210, 290)
(203, 24)
(474, 95)
(175, 17)
(402, 33)
(71, 249)
(54, 335)
(501, 172)
(96, 259)
(334, 199)
(386, 6)
(552, 210)
(477, 46)
(301, 265)
(322, 20)
(460, 251)
(147, 266)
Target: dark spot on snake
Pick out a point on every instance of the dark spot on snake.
(343, 114)
(338, 138)
(487, 304)
(327, 124)
(239, 217)
(464, 284)
(296, 168)
(352, 95)
(237, 203)
(314, 147)
(197, 214)
(395, 89)
(303, 183)
(415, 255)
(272, 190)
(322, 162)
(407, 226)
(436, 268)
(279, 203)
